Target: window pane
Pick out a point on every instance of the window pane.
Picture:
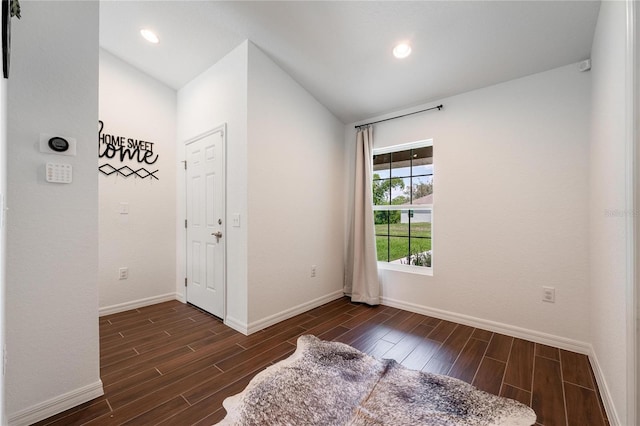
(382, 165)
(401, 163)
(420, 252)
(421, 223)
(391, 191)
(382, 246)
(398, 249)
(381, 193)
(419, 245)
(400, 191)
(422, 161)
(422, 190)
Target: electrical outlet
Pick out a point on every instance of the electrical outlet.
(123, 273)
(313, 271)
(549, 294)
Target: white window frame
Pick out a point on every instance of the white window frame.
(419, 270)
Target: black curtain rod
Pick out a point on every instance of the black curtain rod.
(439, 107)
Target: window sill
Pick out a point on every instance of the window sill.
(418, 270)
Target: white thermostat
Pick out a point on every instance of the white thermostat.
(59, 173)
(61, 145)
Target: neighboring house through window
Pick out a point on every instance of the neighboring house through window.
(403, 203)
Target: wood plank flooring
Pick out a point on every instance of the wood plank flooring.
(171, 364)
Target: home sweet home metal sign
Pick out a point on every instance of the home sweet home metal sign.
(123, 148)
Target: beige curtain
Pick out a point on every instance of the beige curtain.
(361, 281)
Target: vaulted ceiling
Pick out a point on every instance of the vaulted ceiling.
(340, 51)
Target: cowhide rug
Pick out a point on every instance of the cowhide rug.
(330, 383)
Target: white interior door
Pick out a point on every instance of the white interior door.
(205, 222)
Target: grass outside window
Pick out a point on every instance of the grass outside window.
(393, 240)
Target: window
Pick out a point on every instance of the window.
(403, 203)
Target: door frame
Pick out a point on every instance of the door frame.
(222, 128)
(632, 204)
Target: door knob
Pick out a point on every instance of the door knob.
(218, 235)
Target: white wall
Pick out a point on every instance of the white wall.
(295, 193)
(282, 152)
(608, 209)
(510, 206)
(218, 96)
(52, 241)
(136, 106)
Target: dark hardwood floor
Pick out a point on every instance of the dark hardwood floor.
(172, 364)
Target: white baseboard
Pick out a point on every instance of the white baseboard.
(496, 327)
(292, 312)
(237, 325)
(247, 329)
(56, 405)
(522, 333)
(121, 307)
(605, 394)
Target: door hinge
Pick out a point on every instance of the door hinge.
(185, 282)
(185, 164)
(185, 223)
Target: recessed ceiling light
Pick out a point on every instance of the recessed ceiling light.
(150, 36)
(402, 50)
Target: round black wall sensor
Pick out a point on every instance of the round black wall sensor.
(58, 144)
